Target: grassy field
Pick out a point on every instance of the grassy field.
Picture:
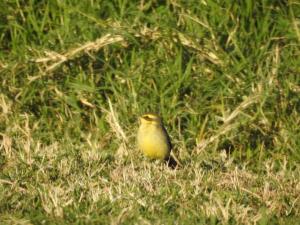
(75, 76)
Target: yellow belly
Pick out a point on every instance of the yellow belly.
(154, 144)
(155, 150)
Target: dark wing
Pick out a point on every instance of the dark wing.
(168, 138)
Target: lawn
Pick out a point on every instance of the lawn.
(76, 75)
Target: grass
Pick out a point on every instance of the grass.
(75, 75)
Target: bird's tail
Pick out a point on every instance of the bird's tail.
(172, 162)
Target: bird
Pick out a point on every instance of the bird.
(153, 139)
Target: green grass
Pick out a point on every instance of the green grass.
(75, 75)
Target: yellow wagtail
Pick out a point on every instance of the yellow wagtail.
(153, 139)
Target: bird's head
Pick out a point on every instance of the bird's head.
(150, 119)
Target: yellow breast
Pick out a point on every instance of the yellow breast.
(153, 142)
